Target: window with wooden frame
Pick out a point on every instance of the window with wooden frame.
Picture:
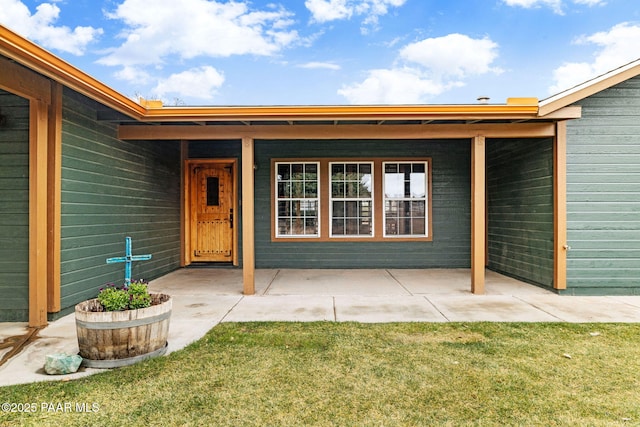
(351, 199)
(405, 199)
(297, 199)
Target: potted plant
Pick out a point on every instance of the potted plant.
(123, 325)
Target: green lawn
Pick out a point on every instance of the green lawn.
(348, 374)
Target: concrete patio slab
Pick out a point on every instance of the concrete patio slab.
(633, 300)
(458, 282)
(282, 308)
(210, 281)
(497, 284)
(376, 309)
(434, 281)
(585, 309)
(335, 282)
(197, 315)
(489, 308)
(28, 366)
(11, 333)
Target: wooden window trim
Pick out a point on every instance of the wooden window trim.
(332, 199)
(275, 199)
(427, 199)
(378, 200)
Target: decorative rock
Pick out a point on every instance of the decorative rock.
(60, 363)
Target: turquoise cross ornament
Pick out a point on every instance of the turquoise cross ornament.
(128, 259)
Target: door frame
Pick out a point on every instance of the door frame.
(187, 252)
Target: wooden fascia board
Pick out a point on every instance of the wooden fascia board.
(589, 88)
(344, 112)
(565, 113)
(429, 131)
(41, 61)
(23, 82)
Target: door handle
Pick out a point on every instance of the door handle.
(231, 218)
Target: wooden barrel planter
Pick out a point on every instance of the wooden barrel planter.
(110, 339)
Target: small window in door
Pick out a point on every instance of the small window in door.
(213, 191)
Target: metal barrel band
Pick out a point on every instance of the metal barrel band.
(125, 323)
(116, 363)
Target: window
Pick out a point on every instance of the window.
(366, 199)
(297, 199)
(351, 199)
(213, 191)
(405, 199)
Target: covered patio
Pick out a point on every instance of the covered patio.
(470, 186)
(207, 296)
(342, 282)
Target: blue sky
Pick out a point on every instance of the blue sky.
(319, 52)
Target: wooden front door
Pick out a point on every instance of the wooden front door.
(212, 212)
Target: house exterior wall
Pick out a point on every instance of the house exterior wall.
(603, 193)
(14, 208)
(112, 189)
(520, 209)
(450, 247)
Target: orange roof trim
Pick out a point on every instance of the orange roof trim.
(40, 60)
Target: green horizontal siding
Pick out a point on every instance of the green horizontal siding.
(603, 193)
(520, 209)
(450, 247)
(112, 189)
(215, 149)
(14, 208)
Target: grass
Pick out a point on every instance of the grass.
(349, 374)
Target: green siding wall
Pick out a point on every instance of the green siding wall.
(451, 209)
(215, 149)
(520, 209)
(112, 189)
(14, 208)
(603, 193)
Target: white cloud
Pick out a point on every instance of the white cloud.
(591, 2)
(191, 28)
(555, 5)
(332, 10)
(329, 10)
(394, 86)
(426, 68)
(133, 74)
(618, 46)
(455, 54)
(40, 27)
(320, 65)
(201, 83)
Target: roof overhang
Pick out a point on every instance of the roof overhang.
(34, 57)
(516, 108)
(127, 112)
(590, 87)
